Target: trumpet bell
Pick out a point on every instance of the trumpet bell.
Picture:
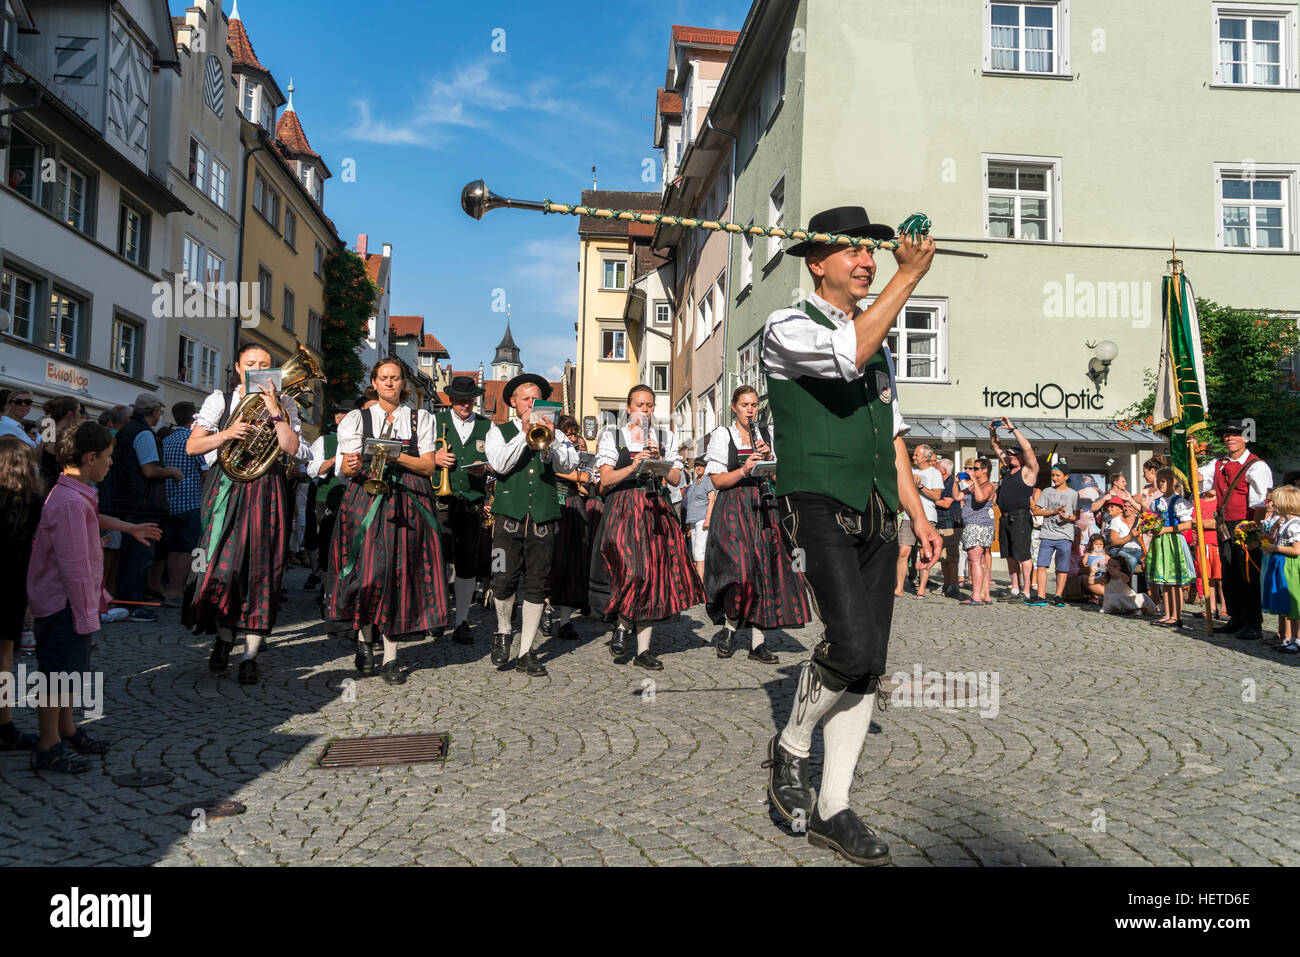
(476, 199)
(540, 437)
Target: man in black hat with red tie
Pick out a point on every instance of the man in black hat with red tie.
(461, 514)
(1242, 482)
(843, 474)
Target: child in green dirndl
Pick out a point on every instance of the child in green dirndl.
(1169, 560)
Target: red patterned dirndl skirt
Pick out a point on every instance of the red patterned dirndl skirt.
(641, 569)
(567, 583)
(397, 583)
(748, 575)
(240, 588)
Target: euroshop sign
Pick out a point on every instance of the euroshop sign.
(1048, 396)
(68, 376)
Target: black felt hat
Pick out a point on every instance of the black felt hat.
(524, 379)
(844, 221)
(1233, 427)
(464, 387)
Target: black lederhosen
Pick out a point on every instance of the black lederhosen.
(462, 528)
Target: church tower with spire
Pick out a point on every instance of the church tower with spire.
(506, 364)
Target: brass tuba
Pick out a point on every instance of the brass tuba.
(249, 458)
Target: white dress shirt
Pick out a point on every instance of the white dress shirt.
(352, 429)
(607, 451)
(1259, 479)
(502, 455)
(214, 410)
(15, 428)
(315, 468)
(463, 427)
(795, 346)
(719, 451)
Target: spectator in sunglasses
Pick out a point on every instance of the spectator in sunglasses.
(17, 406)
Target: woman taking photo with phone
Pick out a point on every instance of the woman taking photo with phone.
(974, 493)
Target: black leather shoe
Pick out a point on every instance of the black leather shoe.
(220, 659)
(787, 783)
(439, 631)
(648, 661)
(726, 643)
(248, 672)
(1248, 634)
(530, 666)
(313, 581)
(393, 673)
(619, 642)
(547, 622)
(501, 649)
(762, 654)
(462, 635)
(847, 836)
(365, 658)
(568, 632)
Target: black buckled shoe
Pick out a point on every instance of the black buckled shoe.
(568, 632)
(393, 673)
(648, 661)
(530, 666)
(220, 659)
(501, 649)
(787, 783)
(847, 836)
(547, 622)
(1249, 634)
(248, 673)
(760, 653)
(726, 643)
(462, 635)
(365, 658)
(618, 643)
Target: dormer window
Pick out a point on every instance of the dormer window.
(268, 115)
(250, 100)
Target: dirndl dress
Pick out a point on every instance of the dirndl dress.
(1169, 560)
(389, 574)
(567, 583)
(749, 576)
(245, 540)
(641, 570)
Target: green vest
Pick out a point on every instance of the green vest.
(527, 489)
(462, 483)
(836, 437)
(331, 445)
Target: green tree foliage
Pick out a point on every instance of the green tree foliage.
(1247, 376)
(349, 298)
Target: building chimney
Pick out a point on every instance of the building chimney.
(388, 250)
(363, 243)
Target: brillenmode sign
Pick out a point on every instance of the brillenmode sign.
(66, 376)
(1047, 396)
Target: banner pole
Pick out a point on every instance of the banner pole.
(1195, 477)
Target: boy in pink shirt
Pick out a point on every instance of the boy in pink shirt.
(66, 594)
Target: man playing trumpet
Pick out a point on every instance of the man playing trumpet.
(526, 512)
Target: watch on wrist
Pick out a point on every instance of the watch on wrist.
(277, 418)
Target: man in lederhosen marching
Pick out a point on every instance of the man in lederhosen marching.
(526, 512)
(844, 473)
(461, 514)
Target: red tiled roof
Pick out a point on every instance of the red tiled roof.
(431, 344)
(472, 373)
(373, 262)
(492, 400)
(289, 132)
(406, 326)
(724, 38)
(640, 229)
(670, 103)
(241, 48)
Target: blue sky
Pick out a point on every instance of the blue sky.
(415, 95)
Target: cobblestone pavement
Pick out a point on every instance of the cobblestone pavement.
(1112, 743)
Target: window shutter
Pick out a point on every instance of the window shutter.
(1218, 52)
(1063, 37)
(988, 34)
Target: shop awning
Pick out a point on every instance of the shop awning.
(953, 430)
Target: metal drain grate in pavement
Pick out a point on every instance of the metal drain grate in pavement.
(385, 751)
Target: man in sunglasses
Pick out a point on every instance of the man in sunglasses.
(17, 406)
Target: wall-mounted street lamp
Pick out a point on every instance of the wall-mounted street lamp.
(1099, 365)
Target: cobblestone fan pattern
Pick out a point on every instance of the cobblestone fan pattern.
(1113, 743)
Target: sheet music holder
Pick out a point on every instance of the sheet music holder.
(393, 446)
(763, 470)
(656, 467)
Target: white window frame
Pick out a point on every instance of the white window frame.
(199, 165)
(249, 101)
(120, 325)
(620, 336)
(746, 258)
(191, 259)
(1289, 71)
(54, 331)
(1288, 173)
(290, 227)
(218, 183)
(214, 275)
(749, 371)
(63, 195)
(937, 305)
(209, 364)
(290, 302)
(1061, 39)
(662, 307)
(9, 303)
(127, 210)
(313, 335)
(775, 216)
(682, 417)
(318, 263)
(41, 151)
(655, 369)
(187, 360)
(265, 289)
(704, 318)
(618, 264)
(1055, 227)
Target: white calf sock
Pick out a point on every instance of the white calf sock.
(811, 701)
(390, 650)
(532, 617)
(844, 730)
(464, 588)
(757, 637)
(732, 626)
(643, 639)
(505, 614)
(252, 645)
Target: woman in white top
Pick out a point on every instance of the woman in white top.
(387, 560)
(245, 530)
(641, 571)
(749, 578)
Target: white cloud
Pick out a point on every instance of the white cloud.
(554, 372)
(548, 267)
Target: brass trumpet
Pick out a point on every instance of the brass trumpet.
(443, 485)
(540, 437)
(376, 483)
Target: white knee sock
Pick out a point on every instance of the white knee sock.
(844, 731)
(532, 617)
(505, 614)
(390, 650)
(464, 598)
(252, 645)
(757, 640)
(565, 614)
(643, 639)
(811, 701)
